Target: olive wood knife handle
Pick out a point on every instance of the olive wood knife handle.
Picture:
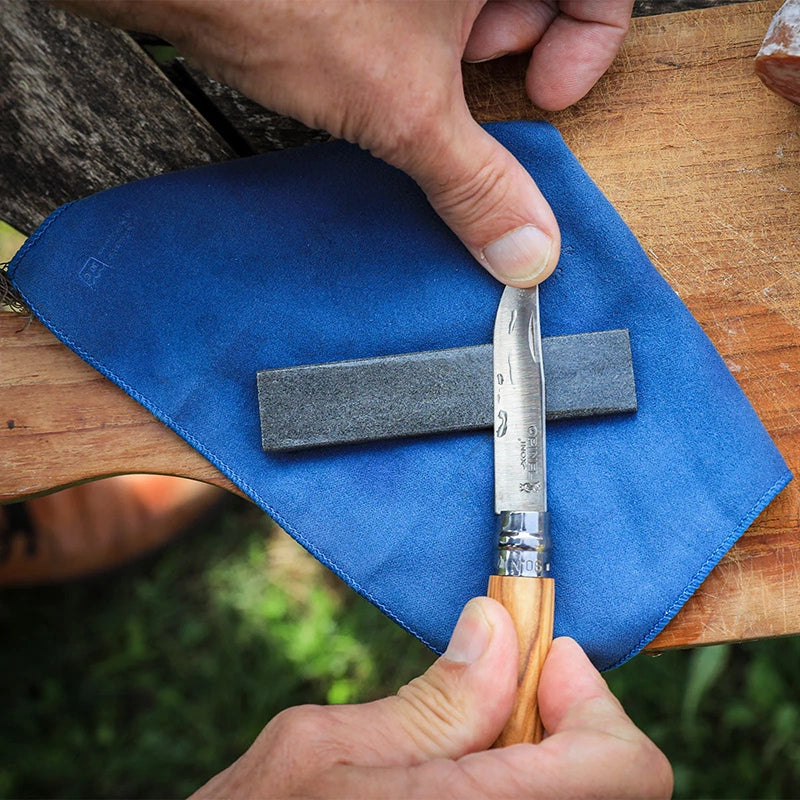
(530, 602)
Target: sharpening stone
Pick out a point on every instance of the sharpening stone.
(586, 374)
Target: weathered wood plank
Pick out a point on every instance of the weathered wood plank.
(647, 8)
(259, 129)
(83, 108)
(61, 422)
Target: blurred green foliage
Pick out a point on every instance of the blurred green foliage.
(145, 682)
(726, 716)
(10, 241)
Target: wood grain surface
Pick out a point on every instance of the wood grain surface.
(63, 423)
(700, 160)
(531, 604)
(83, 109)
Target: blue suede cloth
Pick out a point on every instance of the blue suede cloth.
(179, 288)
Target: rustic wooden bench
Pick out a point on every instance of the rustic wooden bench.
(699, 158)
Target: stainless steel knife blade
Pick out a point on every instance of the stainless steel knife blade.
(520, 477)
(520, 482)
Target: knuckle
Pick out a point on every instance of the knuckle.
(408, 134)
(294, 749)
(319, 733)
(305, 728)
(470, 193)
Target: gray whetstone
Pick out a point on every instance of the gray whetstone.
(367, 399)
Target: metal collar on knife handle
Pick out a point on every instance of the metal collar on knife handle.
(522, 582)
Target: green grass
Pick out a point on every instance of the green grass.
(145, 682)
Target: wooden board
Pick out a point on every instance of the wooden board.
(702, 163)
(83, 109)
(61, 422)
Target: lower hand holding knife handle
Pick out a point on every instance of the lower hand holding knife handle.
(522, 588)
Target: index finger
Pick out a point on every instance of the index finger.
(575, 50)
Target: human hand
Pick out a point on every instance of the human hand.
(431, 739)
(387, 75)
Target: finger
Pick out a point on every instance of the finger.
(593, 748)
(458, 706)
(585, 763)
(441, 779)
(507, 26)
(572, 693)
(576, 50)
(486, 197)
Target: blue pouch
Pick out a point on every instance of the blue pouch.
(179, 288)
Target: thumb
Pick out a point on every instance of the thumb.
(488, 200)
(458, 706)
